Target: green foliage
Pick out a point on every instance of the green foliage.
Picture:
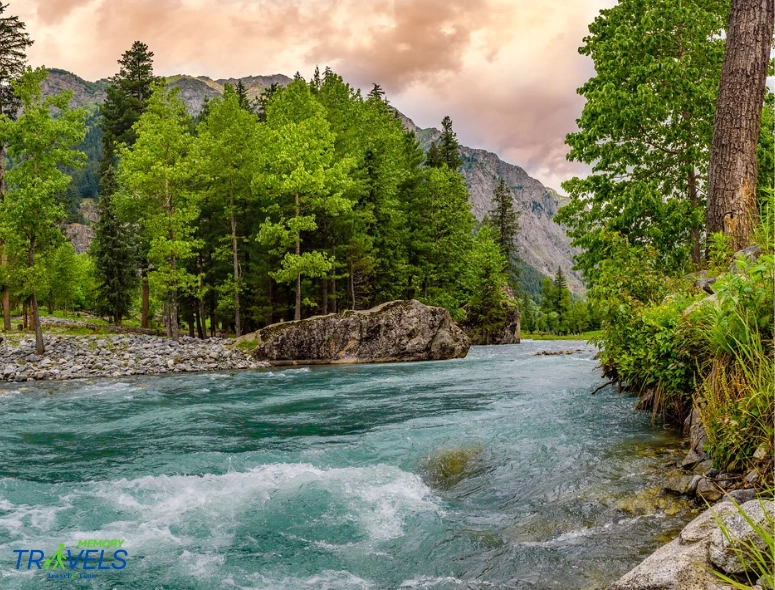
(14, 42)
(646, 129)
(156, 177)
(486, 281)
(504, 220)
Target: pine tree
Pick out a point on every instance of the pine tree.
(115, 248)
(449, 147)
(377, 93)
(262, 100)
(14, 42)
(504, 220)
(433, 157)
(115, 257)
(242, 96)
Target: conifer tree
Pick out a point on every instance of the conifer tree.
(14, 42)
(242, 96)
(114, 248)
(226, 149)
(504, 220)
(449, 147)
(433, 158)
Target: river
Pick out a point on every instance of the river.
(494, 471)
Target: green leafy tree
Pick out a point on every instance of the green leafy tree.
(155, 177)
(226, 148)
(504, 220)
(40, 144)
(305, 180)
(646, 129)
(14, 42)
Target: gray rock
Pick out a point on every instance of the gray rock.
(709, 490)
(681, 483)
(724, 549)
(703, 467)
(740, 496)
(750, 254)
(391, 332)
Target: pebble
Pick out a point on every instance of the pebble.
(75, 357)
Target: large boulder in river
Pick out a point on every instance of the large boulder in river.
(392, 332)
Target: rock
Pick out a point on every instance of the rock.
(691, 459)
(709, 490)
(686, 562)
(751, 477)
(674, 566)
(694, 429)
(740, 496)
(760, 454)
(749, 254)
(391, 332)
(705, 284)
(702, 302)
(703, 467)
(681, 483)
(723, 550)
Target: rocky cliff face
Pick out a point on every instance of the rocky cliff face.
(392, 332)
(542, 243)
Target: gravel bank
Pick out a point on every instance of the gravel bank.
(74, 357)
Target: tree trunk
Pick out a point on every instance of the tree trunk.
(191, 317)
(25, 315)
(352, 286)
(146, 299)
(200, 319)
(297, 313)
(325, 296)
(694, 200)
(333, 296)
(167, 323)
(269, 315)
(6, 292)
(39, 348)
(732, 174)
(235, 262)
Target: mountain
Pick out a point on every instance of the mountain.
(543, 245)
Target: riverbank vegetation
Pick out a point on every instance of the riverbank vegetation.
(685, 323)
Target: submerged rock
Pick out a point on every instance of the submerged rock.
(392, 332)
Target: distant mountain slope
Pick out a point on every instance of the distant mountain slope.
(542, 243)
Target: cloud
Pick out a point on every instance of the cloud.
(505, 70)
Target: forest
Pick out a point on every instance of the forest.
(308, 200)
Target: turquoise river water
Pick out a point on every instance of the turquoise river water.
(494, 471)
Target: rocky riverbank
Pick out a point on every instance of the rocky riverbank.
(687, 561)
(74, 357)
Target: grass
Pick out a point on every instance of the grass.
(543, 336)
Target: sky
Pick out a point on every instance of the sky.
(506, 71)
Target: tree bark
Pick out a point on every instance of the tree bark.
(694, 201)
(732, 174)
(235, 261)
(352, 286)
(333, 296)
(325, 295)
(39, 347)
(6, 294)
(146, 300)
(25, 315)
(297, 313)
